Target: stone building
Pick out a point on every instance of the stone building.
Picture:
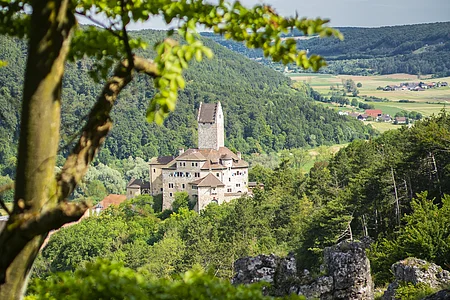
(137, 187)
(211, 173)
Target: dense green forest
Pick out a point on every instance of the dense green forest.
(393, 189)
(413, 49)
(253, 98)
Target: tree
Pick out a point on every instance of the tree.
(41, 197)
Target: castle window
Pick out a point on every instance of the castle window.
(154, 170)
(170, 194)
(197, 175)
(228, 190)
(238, 184)
(170, 185)
(229, 178)
(217, 174)
(183, 185)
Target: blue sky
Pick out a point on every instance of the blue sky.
(360, 13)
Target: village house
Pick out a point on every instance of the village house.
(400, 120)
(212, 173)
(374, 113)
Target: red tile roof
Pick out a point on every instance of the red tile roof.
(112, 199)
(208, 180)
(373, 112)
(211, 156)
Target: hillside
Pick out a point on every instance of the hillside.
(262, 111)
(414, 49)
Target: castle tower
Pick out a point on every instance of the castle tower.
(210, 126)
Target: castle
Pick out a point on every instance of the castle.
(211, 173)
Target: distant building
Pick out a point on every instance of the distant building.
(362, 117)
(400, 120)
(111, 199)
(385, 118)
(137, 187)
(374, 113)
(212, 173)
(354, 114)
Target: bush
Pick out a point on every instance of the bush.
(409, 291)
(110, 280)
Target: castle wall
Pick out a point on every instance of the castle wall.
(156, 181)
(206, 195)
(236, 180)
(133, 192)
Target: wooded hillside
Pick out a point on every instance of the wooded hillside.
(262, 111)
(413, 49)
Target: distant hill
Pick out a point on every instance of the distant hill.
(262, 111)
(414, 49)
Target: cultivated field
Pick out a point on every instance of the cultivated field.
(426, 102)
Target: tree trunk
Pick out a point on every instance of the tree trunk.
(39, 138)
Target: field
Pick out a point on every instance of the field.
(426, 102)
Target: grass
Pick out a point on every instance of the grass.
(424, 99)
(382, 126)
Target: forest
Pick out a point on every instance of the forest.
(393, 189)
(253, 97)
(414, 49)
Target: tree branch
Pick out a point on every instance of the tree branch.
(99, 124)
(22, 228)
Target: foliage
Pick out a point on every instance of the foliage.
(352, 195)
(110, 280)
(181, 201)
(409, 291)
(425, 235)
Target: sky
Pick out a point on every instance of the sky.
(356, 13)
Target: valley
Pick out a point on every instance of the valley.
(427, 102)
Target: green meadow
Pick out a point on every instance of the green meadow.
(427, 102)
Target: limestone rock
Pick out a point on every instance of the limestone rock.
(441, 295)
(255, 269)
(349, 266)
(346, 266)
(416, 271)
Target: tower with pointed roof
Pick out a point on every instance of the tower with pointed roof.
(211, 133)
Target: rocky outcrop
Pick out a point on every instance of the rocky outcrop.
(255, 269)
(346, 266)
(441, 295)
(413, 270)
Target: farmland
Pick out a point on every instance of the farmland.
(427, 102)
